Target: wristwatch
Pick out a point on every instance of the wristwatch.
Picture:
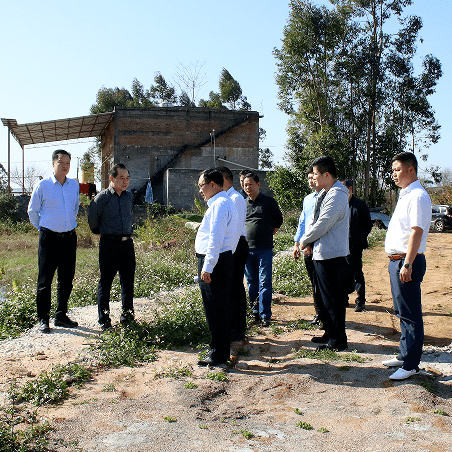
(408, 265)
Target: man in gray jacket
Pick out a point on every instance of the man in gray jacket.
(326, 237)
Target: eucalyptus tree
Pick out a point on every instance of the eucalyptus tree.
(348, 83)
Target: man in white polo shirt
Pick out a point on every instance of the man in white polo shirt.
(406, 241)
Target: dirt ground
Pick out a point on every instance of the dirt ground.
(351, 406)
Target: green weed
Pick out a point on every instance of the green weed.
(190, 385)
(170, 419)
(20, 431)
(441, 412)
(174, 372)
(217, 376)
(246, 434)
(304, 425)
(327, 355)
(410, 419)
(50, 386)
(290, 276)
(110, 387)
(323, 430)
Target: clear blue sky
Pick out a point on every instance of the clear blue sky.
(56, 55)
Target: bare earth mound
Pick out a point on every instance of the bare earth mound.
(270, 398)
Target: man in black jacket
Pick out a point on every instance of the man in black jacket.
(360, 227)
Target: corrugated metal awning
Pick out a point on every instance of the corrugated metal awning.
(61, 129)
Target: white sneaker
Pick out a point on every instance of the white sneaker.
(402, 374)
(393, 362)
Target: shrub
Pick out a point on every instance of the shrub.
(8, 206)
(20, 431)
(290, 276)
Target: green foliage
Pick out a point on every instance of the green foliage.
(190, 385)
(180, 321)
(124, 346)
(246, 434)
(8, 206)
(20, 431)
(174, 372)
(18, 310)
(290, 276)
(170, 419)
(323, 430)
(347, 81)
(327, 355)
(109, 387)
(441, 412)
(51, 386)
(304, 425)
(301, 325)
(376, 237)
(217, 376)
(230, 90)
(289, 186)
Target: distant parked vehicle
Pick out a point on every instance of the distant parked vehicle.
(441, 218)
(379, 219)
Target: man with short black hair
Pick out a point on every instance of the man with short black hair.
(326, 238)
(263, 220)
(53, 211)
(216, 240)
(405, 243)
(110, 215)
(238, 293)
(242, 175)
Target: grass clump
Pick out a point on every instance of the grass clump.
(50, 386)
(304, 425)
(441, 412)
(124, 346)
(190, 385)
(246, 434)
(20, 431)
(327, 355)
(174, 372)
(301, 324)
(217, 376)
(170, 419)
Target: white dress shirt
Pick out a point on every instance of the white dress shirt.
(54, 206)
(240, 205)
(413, 209)
(217, 232)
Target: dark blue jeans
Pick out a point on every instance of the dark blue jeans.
(115, 256)
(328, 277)
(408, 308)
(56, 252)
(217, 304)
(258, 273)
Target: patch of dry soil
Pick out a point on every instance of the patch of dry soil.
(361, 409)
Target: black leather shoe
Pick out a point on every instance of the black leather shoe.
(43, 326)
(65, 322)
(320, 339)
(106, 326)
(359, 307)
(315, 321)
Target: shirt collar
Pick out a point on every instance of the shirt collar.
(409, 188)
(220, 194)
(55, 180)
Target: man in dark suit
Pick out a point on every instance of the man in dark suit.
(360, 227)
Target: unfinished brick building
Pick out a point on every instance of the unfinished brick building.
(169, 146)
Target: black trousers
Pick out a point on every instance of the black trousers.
(328, 275)
(217, 304)
(355, 260)
(238, 292)
(115, 256)
(56, 252)
(309, 263)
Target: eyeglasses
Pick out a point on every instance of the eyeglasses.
(202, 185)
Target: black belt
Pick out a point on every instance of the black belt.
(203, 255)
(63, 235)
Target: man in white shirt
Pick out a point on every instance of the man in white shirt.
(216, 241)
(238, 293)
(53, 210)
(406, 241)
